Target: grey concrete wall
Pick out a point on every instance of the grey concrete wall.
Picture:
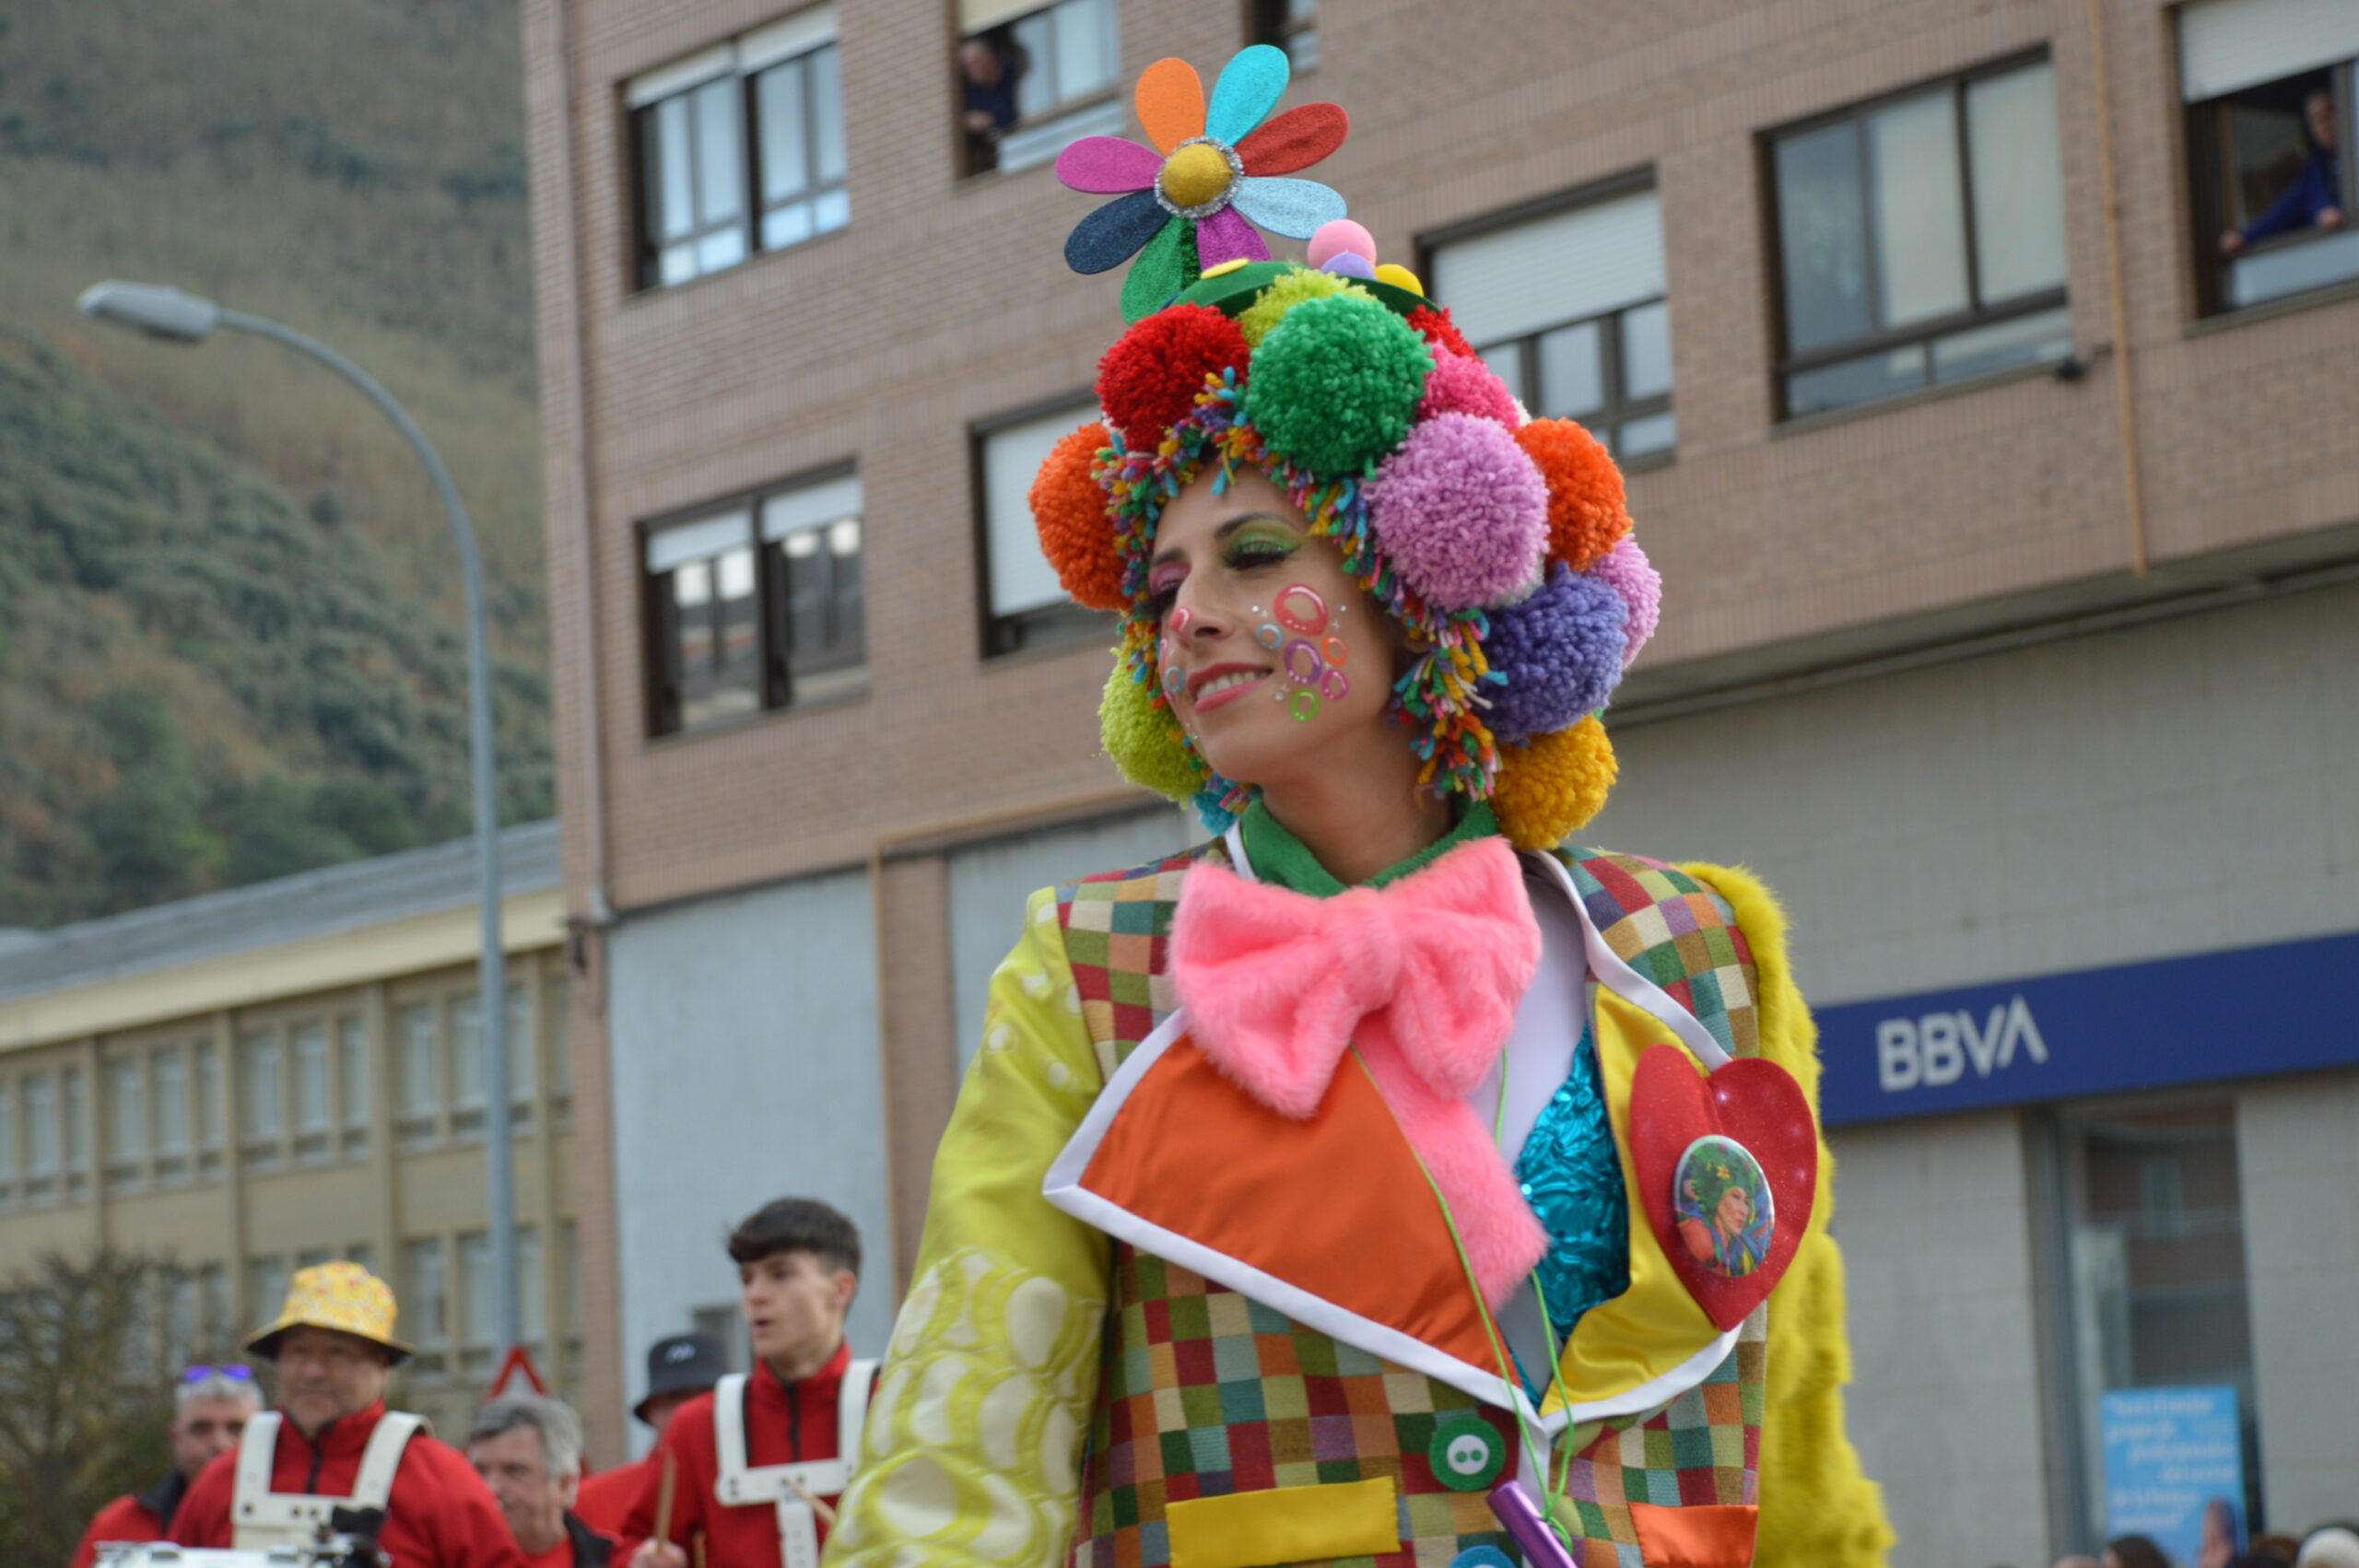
(743, 1033)
(2182, 787)
(2297, 1142)
(990, 882)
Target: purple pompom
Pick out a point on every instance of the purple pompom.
(1460, 385)
(1561, 651)
(1461, 512)
(1627, 567)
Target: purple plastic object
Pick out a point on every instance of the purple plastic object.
(1519, 1516)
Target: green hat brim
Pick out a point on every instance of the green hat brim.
(1232, 292)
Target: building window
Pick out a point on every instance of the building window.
(1035, 77)
(263, 1122)
(521, 1074)
(1290, 25)
(417, 1101)
(1920, 239)
(738, 148)
(314, 1112)
(75, 1096)
(267, 1281)
(171, 1104)
(467, 1085)
(40, 1129)
(7, 1138)
(352, 1079)
(126, 1113)
(2270, 113)
(208, 1097)
(1024, 606)
(1567, 306)
(424, 1293)
(758, 607)
(2156, 1250)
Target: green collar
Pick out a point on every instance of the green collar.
(1279, 856)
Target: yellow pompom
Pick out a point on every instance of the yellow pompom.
(1195, 174)
(1296, 287)
(1400, 276)
(1553, 784)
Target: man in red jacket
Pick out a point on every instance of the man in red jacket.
(759, 1461)
(679, 1367)
(333, 1454)
(210, 1408)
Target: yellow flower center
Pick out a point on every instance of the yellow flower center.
(1194, 175)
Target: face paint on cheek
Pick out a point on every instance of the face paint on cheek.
(1179, 621)
(1268, 634)
(1302, 610)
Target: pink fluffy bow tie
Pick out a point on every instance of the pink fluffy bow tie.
(1424, 975)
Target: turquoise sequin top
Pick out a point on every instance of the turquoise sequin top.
(1572, 1177)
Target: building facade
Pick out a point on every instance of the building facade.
(1983, 377)
(240, 1085)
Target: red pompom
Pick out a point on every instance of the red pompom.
(1070, 511)
(1439, 330)
(1149, 379)
(1587, 510)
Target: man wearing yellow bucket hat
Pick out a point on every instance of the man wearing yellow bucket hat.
(331, 1454)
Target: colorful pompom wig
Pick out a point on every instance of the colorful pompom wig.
(1498, 545)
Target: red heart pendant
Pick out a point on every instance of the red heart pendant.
(1728, 1168)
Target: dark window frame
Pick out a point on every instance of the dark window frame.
(647, 243)
(1787, 363)
(1274, 22)
(816, 189)
(1613, 411)
(773, 615)
(1060, 624)
(2208, 173)
(1028, 61)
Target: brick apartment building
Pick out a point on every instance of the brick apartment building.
(2010, 525)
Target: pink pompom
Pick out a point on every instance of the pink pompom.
(1339, 235)
(1468, 386)
(1461, 512)
(1628, 571)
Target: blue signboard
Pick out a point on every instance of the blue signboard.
(2243, 1014)
(2170, 1455)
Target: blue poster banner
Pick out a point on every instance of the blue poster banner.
(2243, 1014)
(2172, 1454)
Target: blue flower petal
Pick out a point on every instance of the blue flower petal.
(1113, 234)
(1292, 207)
(1250, 87)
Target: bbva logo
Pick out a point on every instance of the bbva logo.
(1933, 1050)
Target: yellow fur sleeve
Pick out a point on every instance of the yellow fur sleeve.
(1817, 1509)
(975, 1429)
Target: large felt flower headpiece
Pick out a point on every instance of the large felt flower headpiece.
(1498, 543)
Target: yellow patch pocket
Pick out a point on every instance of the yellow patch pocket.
(1706, 1536)
(1285, 1524)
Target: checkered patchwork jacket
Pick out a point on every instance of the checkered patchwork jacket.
(1137, 1336)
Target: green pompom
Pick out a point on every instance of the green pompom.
(1335, 386)
(1296, 287)
(1144, 740)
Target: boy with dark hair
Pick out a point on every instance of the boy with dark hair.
(758, 1462)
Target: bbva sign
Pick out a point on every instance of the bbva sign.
(1934, 1048)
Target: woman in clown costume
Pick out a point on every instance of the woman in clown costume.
(1314, 1196)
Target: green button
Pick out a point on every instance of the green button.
(1466, 1453)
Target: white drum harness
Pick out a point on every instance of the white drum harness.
(740, 1483)
(263, 1518)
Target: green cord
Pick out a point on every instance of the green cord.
(1550, 1487)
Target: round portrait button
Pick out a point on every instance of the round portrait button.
(1467, 1453)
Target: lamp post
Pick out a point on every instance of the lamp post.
(177, 317)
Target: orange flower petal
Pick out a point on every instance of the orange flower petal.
(1171, 102)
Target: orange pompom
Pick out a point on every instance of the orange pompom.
(1588, 510)
(1070, 511)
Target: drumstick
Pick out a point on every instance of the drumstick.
(827, 1515)
(663, 1490)
(700, 1539)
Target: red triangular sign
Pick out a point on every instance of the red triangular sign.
(518, 1365)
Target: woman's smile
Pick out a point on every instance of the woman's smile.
(1218, 685)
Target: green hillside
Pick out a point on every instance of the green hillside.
(228, 603)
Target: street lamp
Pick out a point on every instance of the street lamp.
(177, 317)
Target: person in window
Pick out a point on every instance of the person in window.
(1292, 1197)
(2315, 198)
(990, 66)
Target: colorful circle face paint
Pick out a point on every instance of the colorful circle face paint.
(1174, 678)
(1179, 621)
(1303, 667)
(1268, 636)
(1334, 650)
(1334, 685)
(1305, 704)
(1302, 610)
